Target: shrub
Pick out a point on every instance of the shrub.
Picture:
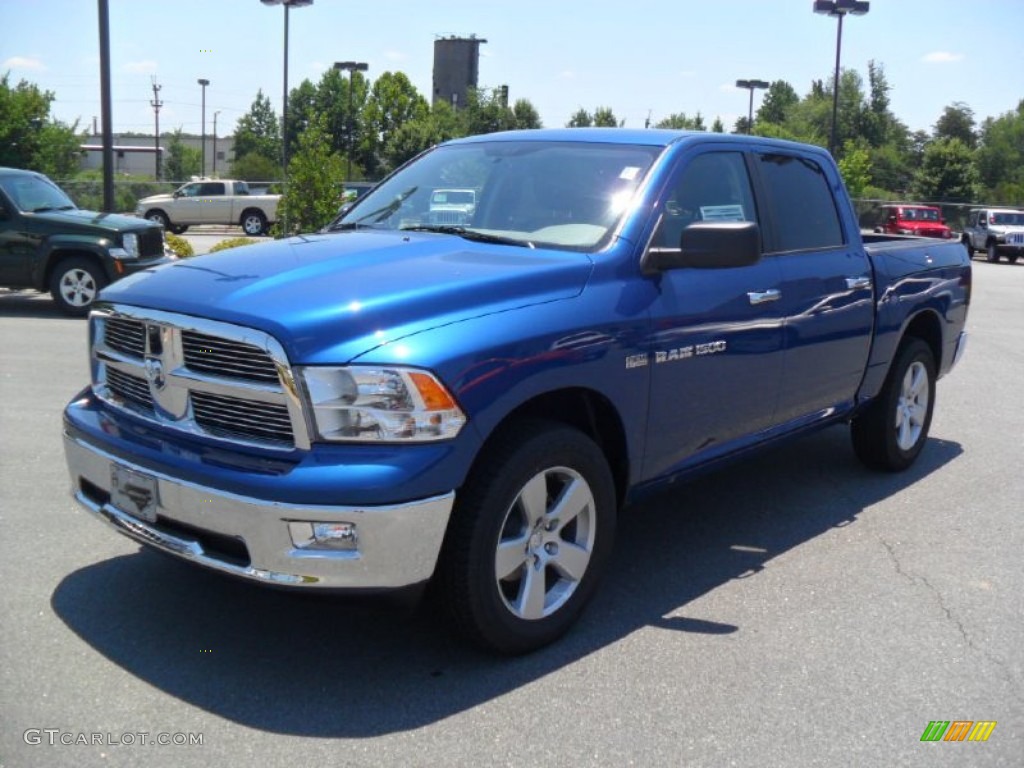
(232, 242)
(181, 247)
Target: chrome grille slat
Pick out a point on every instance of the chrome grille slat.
(197, 376)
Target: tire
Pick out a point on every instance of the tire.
(179, 229)
(254, 223)
(160, 218)
(515, 574)
(991, 254)
(967, 244)
(75, 283)
(1012, 257)
(893, 431)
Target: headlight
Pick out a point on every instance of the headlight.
(380, 404)
(130, 243)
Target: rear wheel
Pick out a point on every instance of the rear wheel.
(530, 536)
(891, 433)
(75, 283)
(1012, 257)
(254, 223)
(160, 218)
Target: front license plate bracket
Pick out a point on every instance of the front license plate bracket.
(134, 493)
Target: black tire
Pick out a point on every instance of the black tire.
(160, 218)
(564, 465)
(74, 284)
(254, 223)
(991, 254)
(967, 244)
(1012, 257)
(179, 229)
(891, 433)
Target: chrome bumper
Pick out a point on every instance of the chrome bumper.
(390, 547)
(961, 345)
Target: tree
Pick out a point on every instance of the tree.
(604, 117)
(255, 167)
(778, 100)
(1000, 157)
(302, 109)
(580, 119)
(525, 115)
(680, 122)
(947, 173)
(258, 132)
(29, 138)
(855, 168)
(182, 161)
(392, 102)
(485, 112)
(957, 122)
(718, 126)
(315, 177)
(421, 133)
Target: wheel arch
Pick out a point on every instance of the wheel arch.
(584, 409)
(927, 326)
(59, 253)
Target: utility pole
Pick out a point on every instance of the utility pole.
(215, 143)
(156, 104)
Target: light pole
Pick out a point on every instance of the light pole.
(751, 85)
(838, 8)
(203, 82)
(351, 67)
(288, 5)
(214, 173)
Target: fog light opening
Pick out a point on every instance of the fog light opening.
(330, 536)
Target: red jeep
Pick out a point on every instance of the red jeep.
(920, 220)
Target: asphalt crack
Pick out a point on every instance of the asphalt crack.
(917, 579)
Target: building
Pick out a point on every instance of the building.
(456, 68)
(133, 155)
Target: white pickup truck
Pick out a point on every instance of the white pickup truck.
(220, 201)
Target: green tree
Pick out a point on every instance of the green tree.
(392, 102)
(604, 117)
(855, 168)
(718, 126)
(525, 115)
(259, 132)
(779, 99)
(421, 133)
(1000, 157)
(947, 173)
(181, 160)
(681, 122)
(485, 112)
(302, 110)
(29, 138)
(315, 177)
(580, 119)
(957, 122)
(255, 167)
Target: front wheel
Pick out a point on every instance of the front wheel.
(991, 254)
(967, 244)
(254, 223)
(75, 284)
(529, 538)
(890, 434)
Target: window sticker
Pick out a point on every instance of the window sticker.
(722, 213)
(629, 173)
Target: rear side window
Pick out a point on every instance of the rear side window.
(801, 203)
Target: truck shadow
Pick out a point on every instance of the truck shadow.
(331, 667)
(29, 304)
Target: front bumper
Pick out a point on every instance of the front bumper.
(391, 546)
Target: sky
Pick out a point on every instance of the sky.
(645, 59)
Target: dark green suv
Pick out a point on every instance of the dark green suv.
(47, 243)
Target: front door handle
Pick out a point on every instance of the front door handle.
(760, 297)
(856, 283)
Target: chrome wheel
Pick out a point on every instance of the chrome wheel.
(912, 407)
(78, 288)
(253, 224)
(545, 544)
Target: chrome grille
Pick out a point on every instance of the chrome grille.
(223, 357)
(197, 376)
(133, 389)
(126, 336)
(232, 417)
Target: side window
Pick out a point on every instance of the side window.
(713, 186)
(241, 188)
(801, 202)
(190, 190)
(212, 189)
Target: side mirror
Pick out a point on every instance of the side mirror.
(709, 245)
(178, 193)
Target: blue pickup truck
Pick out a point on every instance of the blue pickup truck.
(399, 401)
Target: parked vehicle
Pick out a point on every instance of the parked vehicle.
(451, 206)
(995, 231)
(920, 220)
(211, 201)
(49, 244)
(398, 401)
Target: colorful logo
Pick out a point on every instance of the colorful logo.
(958, 730)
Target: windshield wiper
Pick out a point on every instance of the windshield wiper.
(47, 208)
(468, 234)
(382, 213)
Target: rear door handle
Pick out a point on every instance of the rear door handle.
(760, 297)
(856, 283)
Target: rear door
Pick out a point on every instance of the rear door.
(716, 334)
(214, 204)
(827, 294)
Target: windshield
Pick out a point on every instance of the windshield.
(543, 193)
(1016, 219)
(32, 193)
(921, 214)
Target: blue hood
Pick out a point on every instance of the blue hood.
(329, 298)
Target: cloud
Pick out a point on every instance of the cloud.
(147, 67)
(23, 62)
(566, 74)
(395, 56)
(942, 57)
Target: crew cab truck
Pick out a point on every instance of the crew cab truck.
(211, 201)
(996, 232)
(478, 404)
(919, 220)
(48, 244)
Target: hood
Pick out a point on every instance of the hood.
(78, 221)
(161, 198)
(332, 297)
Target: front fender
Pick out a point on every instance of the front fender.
(57, 246)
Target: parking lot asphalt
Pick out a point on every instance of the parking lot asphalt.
(793, 609)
